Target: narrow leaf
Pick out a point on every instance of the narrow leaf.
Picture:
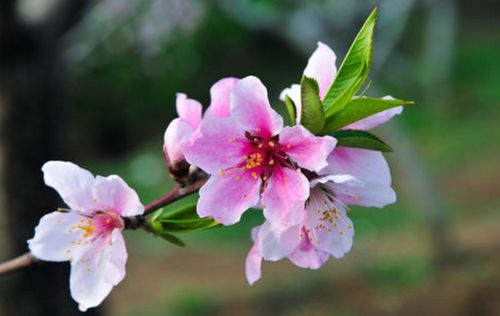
(291, 108)
(360, 139)
(353, 70)
(312, 116)
(360, 108)
(172, 239)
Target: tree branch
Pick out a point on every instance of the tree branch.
(14, 264)
(174, 195)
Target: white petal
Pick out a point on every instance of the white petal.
(277, 245)
(58, 238)
(330, 229)
(89, 279)
(71, 182)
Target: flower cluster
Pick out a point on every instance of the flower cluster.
(303, 182)
(304, 177)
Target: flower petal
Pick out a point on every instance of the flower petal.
(251, 110)
(219, 94)
(71, 182)
(284, 196)
(376, 119)
(307, 255)
(112, 193)
(321, 66)
(189, 110)
(226, 197)
(309, 151)
(89, 280)
(351, 191)
(363, 164)
(177, 133)
(56, 238)
(329, 228)
(219, 145)
(293, 93)
(115, 267)
(253, 264)
(276, 245)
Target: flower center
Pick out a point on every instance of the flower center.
(95, 226)
(261, 156)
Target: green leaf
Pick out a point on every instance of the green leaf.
(172, 239)
(185, 207)
(179, 217)
(353, 70)
(189, 225)
(360, 108)
(360, 139)
(291, 108)
(312, 116)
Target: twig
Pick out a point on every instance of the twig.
(174, 195)
(17, 263)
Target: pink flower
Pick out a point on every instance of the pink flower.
(353, 177)
(252, 158)
(181, 129)
(89, 233)
(321, 67)
(326, 229)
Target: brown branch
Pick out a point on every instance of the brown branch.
(177, 193)
(17, 263)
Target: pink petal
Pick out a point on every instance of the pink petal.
(251, 110)
(177, 134)
(364, 165)
(219, 94)
(284, 196)
(308, 256)
(376, 119)
(112, 193)
(71, 182)
(219, 145)
(189, 110)
(351, 191)
(293, 93)
(253, 264)
(321, 66)
(56, 240)
(330, 228)
(226, 198)
(276, 245)
(309, 151)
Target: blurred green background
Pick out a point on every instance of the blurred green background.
(434, 252)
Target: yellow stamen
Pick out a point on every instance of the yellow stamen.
(88, 229)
